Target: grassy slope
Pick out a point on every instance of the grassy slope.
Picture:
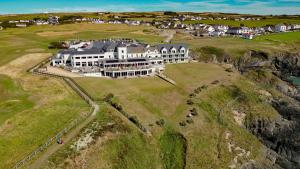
(48, 103)
(159, 103)
(25, 127)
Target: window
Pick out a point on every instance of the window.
(90, 64)
(102, 56)
(77, 57)
(90, 57)
(77, 63)
(122, 51)
(83, 57)
(95, 57)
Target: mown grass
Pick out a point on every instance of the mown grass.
(23, 128)
(288, 37)
(205, 134)
(259, 23)
(13, 98)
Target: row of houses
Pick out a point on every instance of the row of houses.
(198, 18)
(119, 58)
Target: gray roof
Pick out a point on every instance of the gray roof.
(135, 49)
(170, 46)
(99, 47)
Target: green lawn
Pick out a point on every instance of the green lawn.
(151, 99)
(29, 117)
(259, 23)
(13, 98)
(288, 37)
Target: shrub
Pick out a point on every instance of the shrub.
(183, 123)
(204, 87)
(192, 95)
(190, 102)
(190, 121)
(108, 97)
(160, 122)
(215, 82)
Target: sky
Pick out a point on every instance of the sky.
(229, 6)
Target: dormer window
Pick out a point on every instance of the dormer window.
(173, 50)
(164, 50)
(182, 50)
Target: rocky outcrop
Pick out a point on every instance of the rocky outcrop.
(281, 135)
(287, 64)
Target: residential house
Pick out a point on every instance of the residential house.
(295, 26)
(21, 25)
(54, 20)
(269, 28)
(248, 36)
(280, 28)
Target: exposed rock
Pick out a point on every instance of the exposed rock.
(281, 135)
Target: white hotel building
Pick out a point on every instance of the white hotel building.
(120, 58)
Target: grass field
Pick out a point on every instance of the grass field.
(42, 106)
(32, 109)
(259, 23)
(16, 42)
(151, 99)
(236, 47)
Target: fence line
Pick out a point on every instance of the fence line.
(79, 90)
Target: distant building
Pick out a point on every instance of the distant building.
(234, 30)
(41, 22)
(269, 28)
(21, 25)
(120, 58)
(280, 28)
(248, 36)
(54, 20)
(295, 26)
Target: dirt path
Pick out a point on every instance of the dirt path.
(62, 72)
(169, 34)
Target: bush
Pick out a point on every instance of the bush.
(190, 121)
(198, 90)
(108, 97)
(215, 82)
(160, 122)
(190, 102)
(204, 87)
(183, 123)
(192, 95)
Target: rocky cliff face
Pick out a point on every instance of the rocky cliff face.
(281, 135)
